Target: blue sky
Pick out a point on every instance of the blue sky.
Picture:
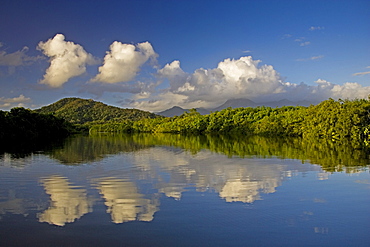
(153, 55)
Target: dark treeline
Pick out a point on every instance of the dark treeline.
(330, 119)
(22, 125)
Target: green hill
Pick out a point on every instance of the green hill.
(81, 111)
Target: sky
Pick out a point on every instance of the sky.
(153, 55)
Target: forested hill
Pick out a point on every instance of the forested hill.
(81, 111)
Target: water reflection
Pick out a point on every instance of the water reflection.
(332, 156)
(84, 149)
(235, 179)
(68, 202)
(170, 165)
(124, 202)
(13, 204)
(236, 190)
(14, 201)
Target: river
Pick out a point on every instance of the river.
(173, 190)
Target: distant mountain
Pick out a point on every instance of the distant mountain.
(203, 111)
(177, 111)
(80, 111)
(236, 103)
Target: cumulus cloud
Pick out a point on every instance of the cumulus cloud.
(7, 103)
(67, 60)
(239, 78)
(123, 62)
(231, 78)
(17, 58)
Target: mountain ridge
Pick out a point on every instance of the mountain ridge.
(81, 111)
(235, 103)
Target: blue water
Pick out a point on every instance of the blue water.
(167, 196)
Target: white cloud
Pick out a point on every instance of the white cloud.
(310, 58)
(238, 78)
(286, 36)
(362, 73)
(231, 78)
(313, 28)
(350, 90)
(67, 60)
(17, 58)
(123, 62)
(300, 39)
(305, 43)
(7, 103)
(161, 102)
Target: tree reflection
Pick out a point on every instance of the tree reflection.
(84, 149)
(331, 155)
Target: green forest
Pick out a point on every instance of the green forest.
(331, 119)
(20, 124)
(88, 111)
(25, 127)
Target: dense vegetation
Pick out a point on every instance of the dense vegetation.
(330, 119)
(333, 131)
(83, 111)
(20, 124)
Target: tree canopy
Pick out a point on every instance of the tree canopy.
(82, 111)
(20, 124)
(331, 119)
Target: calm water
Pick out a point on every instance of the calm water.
(171, 190)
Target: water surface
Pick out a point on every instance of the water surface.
(172, 190)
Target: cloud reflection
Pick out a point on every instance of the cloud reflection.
(68, 202)
(236, 190)
(124, 202)
(235, 180)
